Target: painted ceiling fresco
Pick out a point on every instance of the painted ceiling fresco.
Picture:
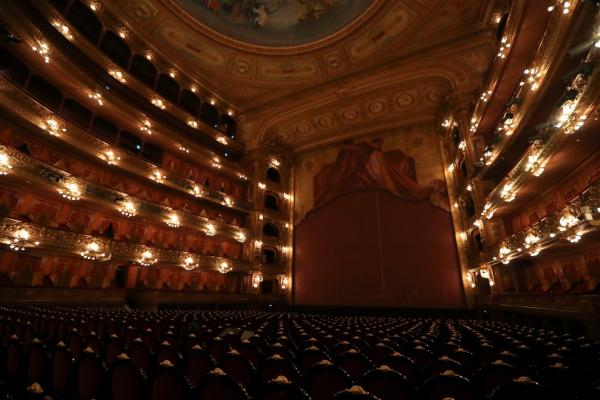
(275, 22)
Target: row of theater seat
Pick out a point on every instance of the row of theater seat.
(101, 353)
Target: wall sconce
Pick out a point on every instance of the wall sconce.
(158, 102)
(262, 186)
(224, 267)
(5, 166)
(128, 209)
(189, 263)
(258, 244)
(256, 280)
(197, 191)
(21, 240)
(43, 50)
(62, 28)
(157, 176)
(240, 237)
(173, 221)
(147, 259)
(285, 282)
(210, 230)
(227, 201)
(72, 191)
(110, 157)
(98, 97)
(118, 75)
(53, 127)
(92, 251)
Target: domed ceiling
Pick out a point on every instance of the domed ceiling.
(275, 22)
(309, 72)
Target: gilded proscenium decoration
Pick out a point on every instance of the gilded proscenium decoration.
(57, 240)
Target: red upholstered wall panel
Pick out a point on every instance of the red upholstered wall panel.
(371, 248)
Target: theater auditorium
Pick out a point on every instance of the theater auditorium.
(300, 199)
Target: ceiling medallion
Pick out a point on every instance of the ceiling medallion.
(290, 26)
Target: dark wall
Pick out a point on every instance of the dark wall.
(371, 248)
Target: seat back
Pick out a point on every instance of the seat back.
(218, 385)
(126, 380)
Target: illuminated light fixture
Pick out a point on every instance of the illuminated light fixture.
(285, 249)
(486, 96)
(147, 259)
(43, 50)
(455, 204)
(173, 73)
(189, 263)
(530, 240)
(285, 282)
(469, 187)
(62, 28)
(574, 238)
(451, 168)
(157, 176)
(146, 127)
(194, 88)
(21, 240)
(256, 280)
(149, 55)
(240, 237)
(224, 267)
(216, 163)
(98, 97)
(222, 140)
(504, 48)
(197, 191)
(446, 123)
(487, 211)
(110, 157)
(260, 217)
(128, 209)
(193, 123)
(478, 223)
(92, 251)
(5, 166)
(118, 75)
(287, 225)
(469, 279)
(508, 193)
(227, 201)
(534, 252)
(230, 112)
(258, 244)
(210, 230)
(158, 102)
(275, 162)
(567, 221)
(262, 186)
(242, 176)
(287, 197)
(507, 123)
(532, 78)
(94, 6)
(463, 236)
(579, 124)
(173, 221)
(462, 145)
(566, 110)
(53, 127)
(183, 149)
(72, 191)
(213, 102)
(597, 44)
(534, 164)
(566, 7)
(503, 254)
(552, 235)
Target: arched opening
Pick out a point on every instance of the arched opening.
(45, 92)
(273, 175)
(271, 201)
(227, 125)
(152, 153)
(168, 88)
(76, 113)
(189, 102)
(104, 129)
(85, 21)
(455, 136)
(269, 255)
(116, 49)
(209, 114)
(469, 207)
(270, 229)
(13, 67)
(143, 70)
(130, 142)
